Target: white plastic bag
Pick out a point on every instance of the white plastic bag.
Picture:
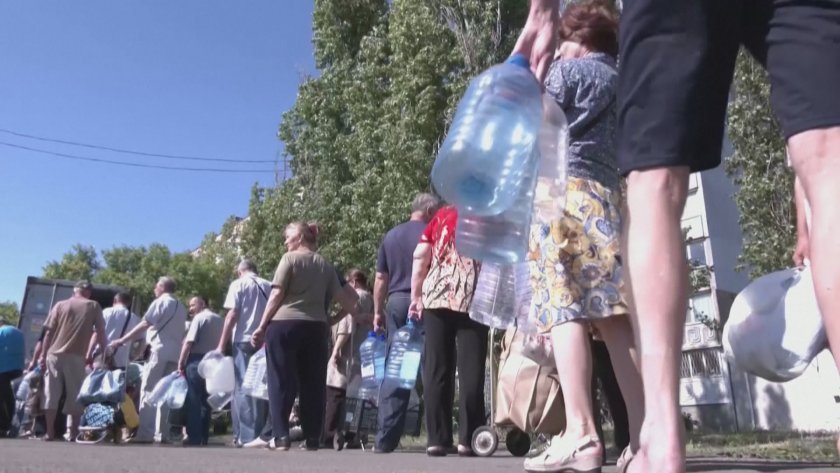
(177, 393)
(254, 383)
(775, 328)
(159, 394)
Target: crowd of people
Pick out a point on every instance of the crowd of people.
(602, 275)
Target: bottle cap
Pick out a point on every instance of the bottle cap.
(372, 334)
(519, 60)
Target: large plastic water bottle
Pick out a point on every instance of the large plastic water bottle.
(372, 353)
(486, 155)
(503, 238)
(404, 358)
(502, 295)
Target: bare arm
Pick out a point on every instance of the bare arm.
(538, 39)
(380, 290)
(275, 300)
(91, 347)
(45, 348)
(36, 356)
(186, 348)
(347, 298)
(139, 328)
(419, 271)
(342, 340)
(230, 321)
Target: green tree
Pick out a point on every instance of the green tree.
(758, 167)
(9, 312)
(362, 136)
(81, 262)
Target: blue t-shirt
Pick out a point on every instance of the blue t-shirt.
(396, 254)
(11, 349)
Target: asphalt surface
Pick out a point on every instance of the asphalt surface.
(19, 456)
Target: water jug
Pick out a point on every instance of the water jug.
(404, 358)
(502, 295)
(486, 155)
(503, 238)
(177, 393)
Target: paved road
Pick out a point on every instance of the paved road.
(20, 456)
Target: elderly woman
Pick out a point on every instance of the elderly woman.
(295, 328)
(576, 272)
(442, 286)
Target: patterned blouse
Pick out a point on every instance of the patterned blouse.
(585, 88)
(450, 283)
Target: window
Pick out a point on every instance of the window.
(696, 251)
(700, 307)
(702, 363)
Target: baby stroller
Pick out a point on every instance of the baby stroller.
(107, 408)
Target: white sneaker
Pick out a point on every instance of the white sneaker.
(256, 443)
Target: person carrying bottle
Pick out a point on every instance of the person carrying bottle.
(393, 282)
(576, 271)
(442, 287)
(344, 367)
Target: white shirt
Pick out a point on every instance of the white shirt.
(248, 296)
(115, 320)
(167, 316)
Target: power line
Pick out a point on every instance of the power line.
(128, 151)
(137, 165)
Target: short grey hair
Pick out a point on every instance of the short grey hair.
(167, 283)
(426, 203)
(247, 265)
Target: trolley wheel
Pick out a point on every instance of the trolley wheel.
(485, 441)
(518, 443)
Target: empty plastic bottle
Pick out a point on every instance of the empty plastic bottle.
(502, 295)
(404, 358)
(486, 156)
(503, 238)
(177, 393)
(372, 353)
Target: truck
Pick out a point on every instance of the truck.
(42, 294)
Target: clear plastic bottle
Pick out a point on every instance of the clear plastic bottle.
(177, 393)
(372, 354)
(404, 358)
(503, 238)
(486, 155)
(502, 295)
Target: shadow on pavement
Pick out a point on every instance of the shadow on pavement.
(699, 465)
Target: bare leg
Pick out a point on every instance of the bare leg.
(617, 333)
(50, 415)
(816, 159)
(574, 367)
(656, 268)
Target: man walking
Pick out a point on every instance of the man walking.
(393, 281)
(165, 321)
(245, 302)
(205, 329)
(64, 350)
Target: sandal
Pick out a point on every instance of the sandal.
(624, 460)
(585, 457)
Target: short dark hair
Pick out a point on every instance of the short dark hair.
(202, 299)
(124, 298)
(593, 24)
(358, 276)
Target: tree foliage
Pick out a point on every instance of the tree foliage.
(758, 167)
(137, 268)
(9, 312)
(363, 134)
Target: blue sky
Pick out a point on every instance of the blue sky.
(206, 78)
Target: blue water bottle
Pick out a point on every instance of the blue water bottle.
(369, 353)
(404, 359)
(487, 155)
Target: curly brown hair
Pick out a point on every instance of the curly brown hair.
(593, 24)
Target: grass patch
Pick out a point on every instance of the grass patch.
(791, 446)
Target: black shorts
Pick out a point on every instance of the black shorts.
(676, 66)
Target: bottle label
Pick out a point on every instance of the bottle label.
(410, 365)
(367, 370)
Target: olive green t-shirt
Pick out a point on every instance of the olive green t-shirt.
(309, 284)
